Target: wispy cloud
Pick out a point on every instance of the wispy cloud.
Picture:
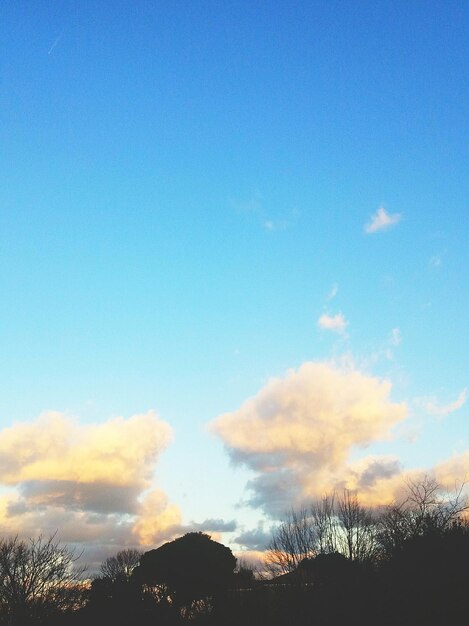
(394, 341)
(442, 410)
(334, 290)
(335, 323)
(381, 220)
(385, 350)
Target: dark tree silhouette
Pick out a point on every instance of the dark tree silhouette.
(193, 567)
(428, 577)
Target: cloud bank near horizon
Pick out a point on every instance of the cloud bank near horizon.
(298, 432)
(96, 482)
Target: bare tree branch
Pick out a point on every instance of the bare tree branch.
(38, 577)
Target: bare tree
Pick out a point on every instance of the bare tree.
(324, 521)
(38, 578)
(357, 534)
(121, 565)
(427, 507)
(432, 507)
(292, 541)
(332, 524)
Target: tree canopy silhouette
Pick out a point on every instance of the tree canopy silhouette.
(189, 568)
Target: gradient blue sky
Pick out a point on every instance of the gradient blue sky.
(184, 183)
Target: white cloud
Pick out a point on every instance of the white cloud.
(335, 323)
(439, 410)
(297, 433)
(88, 480)
(381, 220)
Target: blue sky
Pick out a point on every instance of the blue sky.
(183, 185)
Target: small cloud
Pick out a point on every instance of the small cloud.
(335, 323)
(443, 410)
(333, 292)
(378, 468)
(381, 220)
(255, 539)
(213, 525)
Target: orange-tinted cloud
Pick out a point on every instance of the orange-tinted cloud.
(55, 447)
(155, 518)
(87, 480)
(297, 433)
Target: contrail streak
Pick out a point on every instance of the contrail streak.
(55, 43)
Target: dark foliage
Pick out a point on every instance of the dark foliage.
(190, 568)
(406, 567)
